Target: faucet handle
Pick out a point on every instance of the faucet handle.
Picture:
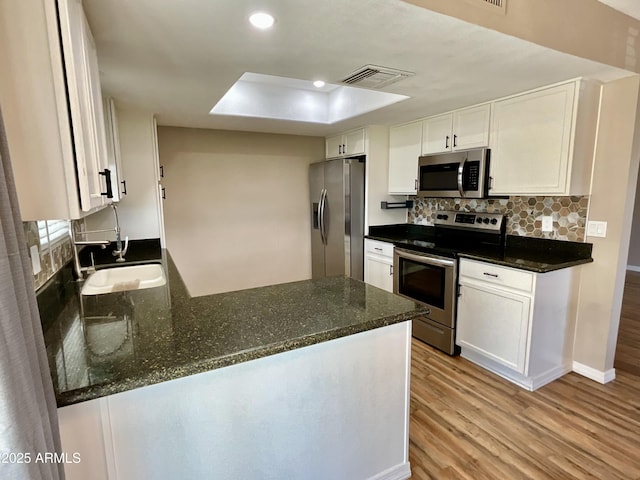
(121, 253)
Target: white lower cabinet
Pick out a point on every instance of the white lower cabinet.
(378, 265)
(515, 323)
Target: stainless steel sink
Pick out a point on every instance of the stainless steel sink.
(119, 279)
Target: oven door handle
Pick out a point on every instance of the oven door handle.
(441, 262)
(460, 175)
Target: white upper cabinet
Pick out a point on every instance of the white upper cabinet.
(345, 144)
(542, 141)
(404, 149)
(119, 184)
(458, 130)
(52, 106)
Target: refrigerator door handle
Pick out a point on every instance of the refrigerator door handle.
(323, 200)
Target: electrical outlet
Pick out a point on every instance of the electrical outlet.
(547, 223)
(596, 229)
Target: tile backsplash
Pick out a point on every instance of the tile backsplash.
(52, 258)
(524, 214)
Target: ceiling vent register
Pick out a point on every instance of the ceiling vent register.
(373, 76)
(496, 6)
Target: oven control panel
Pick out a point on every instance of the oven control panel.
(483, 221)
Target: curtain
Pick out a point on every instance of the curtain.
(28, 415)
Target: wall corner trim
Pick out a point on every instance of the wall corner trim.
(633, 268)
(593, 374)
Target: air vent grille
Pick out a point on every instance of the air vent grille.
(496, 6)
(373, 76)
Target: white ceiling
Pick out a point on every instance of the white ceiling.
(177, 58)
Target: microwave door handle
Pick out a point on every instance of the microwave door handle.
(460, 175)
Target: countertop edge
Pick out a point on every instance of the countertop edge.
(200, 366)
(529, 268)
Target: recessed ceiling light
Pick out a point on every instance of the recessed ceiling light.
(318, 84)
(261, 20)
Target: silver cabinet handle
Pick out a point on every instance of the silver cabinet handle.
(494, 275)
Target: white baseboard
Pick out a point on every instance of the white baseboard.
(399, 472)
(593, 374)
(633, 268)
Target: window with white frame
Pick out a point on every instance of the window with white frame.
(52, 231)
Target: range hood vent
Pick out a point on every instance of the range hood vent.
(373, 76)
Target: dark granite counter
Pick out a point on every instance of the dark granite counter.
(533, 254)
(105, 344)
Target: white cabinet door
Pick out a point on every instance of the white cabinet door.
(334, 146)
(404, 150)
(436, 134)
(113, 149)
(349, 143)
(471, 127)
(379, 272)
(85, 104)
(353, 142)
(530, 143)
(494, 322)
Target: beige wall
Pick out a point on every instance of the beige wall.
(634, 245)
(612, 198)
(237, 211)
(585, 28)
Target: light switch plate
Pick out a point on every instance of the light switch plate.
(547, 223)
(596, 229)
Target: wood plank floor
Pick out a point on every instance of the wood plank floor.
(628, 348)
(467, 423)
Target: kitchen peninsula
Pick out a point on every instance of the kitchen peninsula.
(302, 380)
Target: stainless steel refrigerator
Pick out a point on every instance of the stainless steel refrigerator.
(337, 217)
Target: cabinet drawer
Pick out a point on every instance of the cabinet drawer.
(497, 275)
(379, 248)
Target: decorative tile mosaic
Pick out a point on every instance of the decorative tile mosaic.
(52, 258)
(524, 214)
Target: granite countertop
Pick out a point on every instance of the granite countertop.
(532, 254)
(105, 344)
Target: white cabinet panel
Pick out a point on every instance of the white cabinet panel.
(494, 322)
(378, 266)
(516, 323)
(542, 142)
(52, 107)
(471, 127)
(404, 150)
(348, 143)
(436, 134)
(458, 130)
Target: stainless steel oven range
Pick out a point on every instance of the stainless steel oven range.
(428, 272)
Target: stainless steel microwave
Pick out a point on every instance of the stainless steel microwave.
(461, 174)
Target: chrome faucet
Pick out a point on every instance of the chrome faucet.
(119, 252)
